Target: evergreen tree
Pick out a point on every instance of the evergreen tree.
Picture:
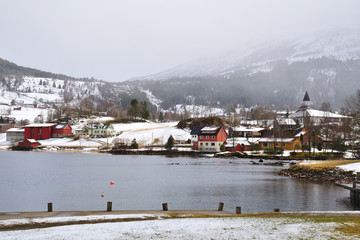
(170, 143)
(161, 117)
(134, 144)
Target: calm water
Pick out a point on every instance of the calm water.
(75, 181)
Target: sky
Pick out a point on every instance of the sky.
(116, 40)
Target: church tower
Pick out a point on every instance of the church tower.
(306, 102)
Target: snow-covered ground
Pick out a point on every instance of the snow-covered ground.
(189, 228)
(351, 167)
(145, 133)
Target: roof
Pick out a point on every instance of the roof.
(15, 130)
(271, 140)
(306, 97)
(211, 130)
(246, 129)
(298, 132)
(61, 126)
(196, 130)
(31, 140)
(317, 113)
(41, 125)
(286, 121)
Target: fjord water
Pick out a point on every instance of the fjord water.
(76, 181)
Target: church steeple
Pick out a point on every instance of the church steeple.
(306, 102)
(306, 97)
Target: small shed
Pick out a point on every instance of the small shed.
(29, 143)
(15, 134)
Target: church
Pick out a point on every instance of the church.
(305, 114)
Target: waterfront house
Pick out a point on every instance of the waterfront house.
(62, 130)
(211, 139)
(284, 143)
(38, 131)
(195, 132)
(100, 130)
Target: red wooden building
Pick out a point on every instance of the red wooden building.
(29, 143)
(210, 139)
(61, 130)
(39, 131)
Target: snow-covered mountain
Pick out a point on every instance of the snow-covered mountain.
(341, 45)
(277, 73)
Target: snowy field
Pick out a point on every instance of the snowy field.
(351, 167)
(188, 228)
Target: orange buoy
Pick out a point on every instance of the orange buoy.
(111, 183)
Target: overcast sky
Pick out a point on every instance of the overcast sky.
(115, 40)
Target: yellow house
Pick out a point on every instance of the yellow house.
(284, 143)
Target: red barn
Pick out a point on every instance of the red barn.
(210, 139)
(61, 130)
(29, 143)
(39, 131)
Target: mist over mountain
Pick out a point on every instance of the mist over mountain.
(276, 73)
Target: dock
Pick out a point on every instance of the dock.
(354, 192)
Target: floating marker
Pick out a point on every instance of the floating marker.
(111, 183)
(102, 195)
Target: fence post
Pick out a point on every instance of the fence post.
(221, 206)
(238, 210)
(165, 207)
(109, 207)
(354, 184)
(50, 207)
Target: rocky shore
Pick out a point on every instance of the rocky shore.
(332, 174)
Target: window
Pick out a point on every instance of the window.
(213, 137)
(201, 137)
(201, 144)
(265, 145)
(206, 144)
(207, 137)
(212, 144)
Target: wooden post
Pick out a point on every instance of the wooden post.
(165, 207)
(109, 207)
(221, 206)
(276, 210)
(238, 210)
(354, 184)
(50, 207)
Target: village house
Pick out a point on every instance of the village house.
(247, 132)
(210, 139)
(15, 134)
(100, 130)
(38, 131)
(62, 130)
(284, 143)
(304, 136)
